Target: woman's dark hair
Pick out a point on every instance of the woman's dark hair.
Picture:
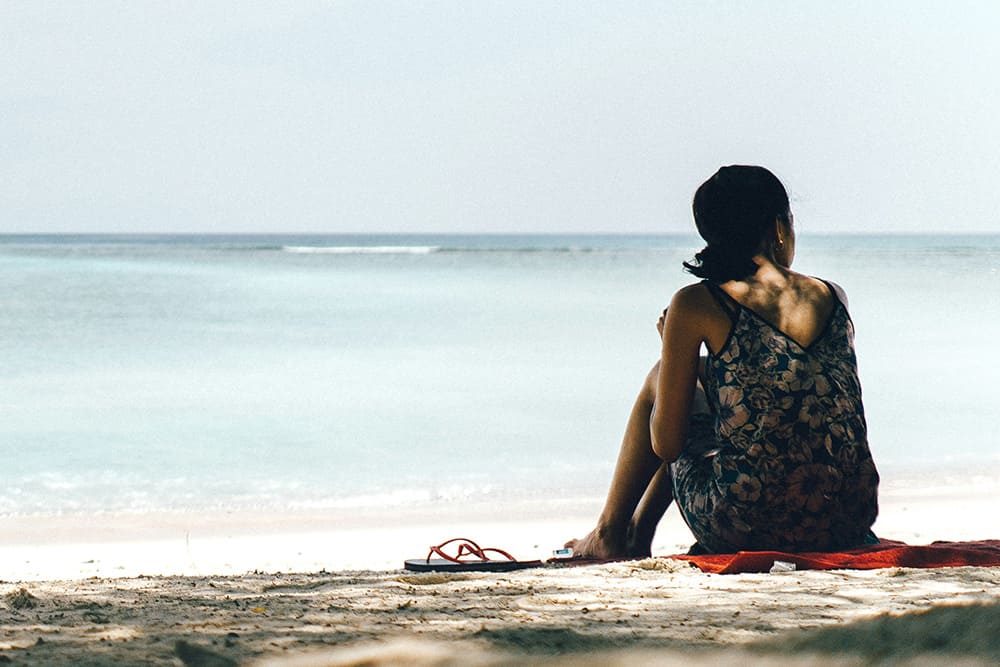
(734, 212)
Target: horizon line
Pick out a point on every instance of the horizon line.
(477, 233)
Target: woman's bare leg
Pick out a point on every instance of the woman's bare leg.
(641, 488)
(660, 492)
(638, 473)
(653, 505)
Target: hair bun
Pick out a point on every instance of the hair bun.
(721, 262)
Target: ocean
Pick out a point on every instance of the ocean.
(204, 373)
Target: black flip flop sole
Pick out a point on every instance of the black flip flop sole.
(442, 565)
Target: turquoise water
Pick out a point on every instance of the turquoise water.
(209, 372)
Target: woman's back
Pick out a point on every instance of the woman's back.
(798, 306)
(786, 464)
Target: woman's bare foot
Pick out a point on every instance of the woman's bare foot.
(601, 543)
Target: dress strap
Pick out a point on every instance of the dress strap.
(726, 302)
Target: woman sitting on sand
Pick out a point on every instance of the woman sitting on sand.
(763, 442)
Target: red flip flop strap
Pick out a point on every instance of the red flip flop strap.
(501, 552)
(465, 547)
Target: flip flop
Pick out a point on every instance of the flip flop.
(469, 557)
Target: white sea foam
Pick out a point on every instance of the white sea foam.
(447, 493)
(362, 249)
(389, 499)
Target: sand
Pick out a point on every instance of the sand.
(643, 612)
(223, 590)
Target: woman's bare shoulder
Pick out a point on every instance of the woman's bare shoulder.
(838, 291)
(825, 287)
(692, 298)
(701, 315)
(701, 309)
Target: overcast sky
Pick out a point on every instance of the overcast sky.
(475, 116)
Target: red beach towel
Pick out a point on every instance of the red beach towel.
(888, 553)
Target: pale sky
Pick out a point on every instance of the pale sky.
(473, 116)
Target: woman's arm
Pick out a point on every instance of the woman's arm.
(684, 330)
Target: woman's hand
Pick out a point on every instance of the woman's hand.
(659, 322)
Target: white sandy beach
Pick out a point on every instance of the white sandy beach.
(232, 543)
(249, 588)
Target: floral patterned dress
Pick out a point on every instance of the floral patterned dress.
(783, 462)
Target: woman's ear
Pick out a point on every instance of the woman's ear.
(780, 231)
(783, 245)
